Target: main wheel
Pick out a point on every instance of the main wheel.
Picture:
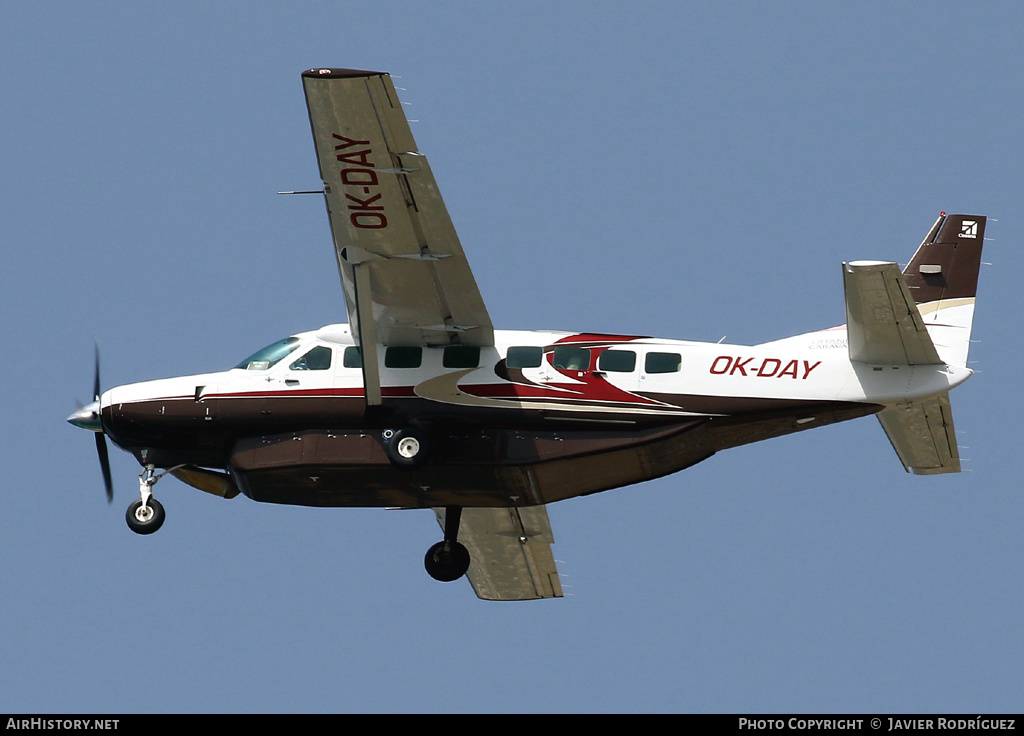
(407, 448)
(145, 519)
(447, 561)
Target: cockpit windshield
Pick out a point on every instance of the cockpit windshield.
(268, 356)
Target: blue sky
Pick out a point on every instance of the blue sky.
(688, 170)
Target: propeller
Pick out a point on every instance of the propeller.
(101, 439)
(88, 417)
(101, 450)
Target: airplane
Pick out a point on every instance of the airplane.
(418, 402)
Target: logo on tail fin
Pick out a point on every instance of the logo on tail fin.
(969, 229)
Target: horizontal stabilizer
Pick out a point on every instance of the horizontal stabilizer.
(883, 323)
(922, 434)
(510, 549)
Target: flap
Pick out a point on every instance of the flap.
(510, 549)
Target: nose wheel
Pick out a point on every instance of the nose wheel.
(449, 559)
(145, 518)
(146, 515)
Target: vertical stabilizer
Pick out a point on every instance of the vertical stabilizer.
(943, 281)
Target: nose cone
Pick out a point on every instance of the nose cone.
(88, 417)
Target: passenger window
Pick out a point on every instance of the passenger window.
(623, 361)
(352, 358)
(317, 359)
(662, 362)
(461, 356)
(527, 356)
(572, 359)
(403, 357)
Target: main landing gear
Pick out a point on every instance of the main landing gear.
(448, 560)
(146, 515)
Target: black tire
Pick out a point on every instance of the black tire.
(407, 448)
(142, 523)
(447, 561)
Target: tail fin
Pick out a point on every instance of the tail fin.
(920, 317)
(943, 281)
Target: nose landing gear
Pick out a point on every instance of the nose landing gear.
(145, 518)
(146, 515)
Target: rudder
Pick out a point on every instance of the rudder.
(943, 281)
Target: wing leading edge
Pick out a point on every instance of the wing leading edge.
(405, 276)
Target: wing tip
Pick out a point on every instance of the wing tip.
(331, 73)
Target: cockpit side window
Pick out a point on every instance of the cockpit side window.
(317, 359)
(353, 357)
(270, 355)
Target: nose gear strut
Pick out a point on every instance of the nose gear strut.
(146, 515)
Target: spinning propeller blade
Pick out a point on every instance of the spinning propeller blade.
(101, 440)
(88, 417)
(101, 450)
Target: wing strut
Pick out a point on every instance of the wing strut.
(367, 334)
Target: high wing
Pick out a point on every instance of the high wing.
(510, 549)
(405, 277)
(407, 282)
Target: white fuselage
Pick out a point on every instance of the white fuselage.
(812, 367)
